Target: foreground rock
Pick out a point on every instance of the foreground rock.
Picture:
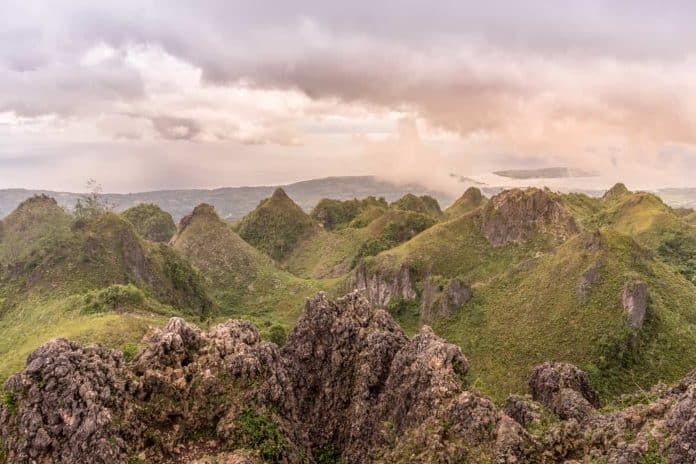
(348, 384)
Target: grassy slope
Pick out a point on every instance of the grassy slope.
(245, 283)
(43, 290)
(330, 254)
(526, 317)
(526, 311)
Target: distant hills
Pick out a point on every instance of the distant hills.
(545, 173)
(233, 203)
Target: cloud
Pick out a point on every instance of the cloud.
(515, 82)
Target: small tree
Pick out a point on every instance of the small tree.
(92, 203)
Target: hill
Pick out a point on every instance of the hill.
(469, 201)
(276, 225)
(151, 222)
(233, 203)
(366, 228)
(92, 279)
(243, 280)
(524, 279)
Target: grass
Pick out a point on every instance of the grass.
(37, 320)
(151, 222)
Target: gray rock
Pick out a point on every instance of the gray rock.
(564, 389)
(446, 301)
(635, 302)
(381, 287)
(516, 215)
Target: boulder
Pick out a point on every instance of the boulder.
(564, 389)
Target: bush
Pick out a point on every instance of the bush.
(114, 297)
(258, 432)
(130, 351)
(277, 335)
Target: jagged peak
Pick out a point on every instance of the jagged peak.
(515, 215)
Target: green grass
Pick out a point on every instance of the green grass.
(38, 320)
(151, 222)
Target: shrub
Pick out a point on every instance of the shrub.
(130, 351)
(277, 335)
(114, 297)
(258, 432)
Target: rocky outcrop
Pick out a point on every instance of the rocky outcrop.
(348, 383)
(564, 389)
(442, 300)
(516, 215)
(381, 287)
(635, 302)
(588, 279)
(69, 405)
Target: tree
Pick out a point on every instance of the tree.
(92, 203)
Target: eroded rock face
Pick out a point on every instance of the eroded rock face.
(380, 288)
(564, 389)
(588, 279)
(443, 301)
(68, 406)
(635, 302)
(517, 215)
(348, 381)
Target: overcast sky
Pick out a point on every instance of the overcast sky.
(146, 95)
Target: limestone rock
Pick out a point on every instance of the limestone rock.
(68, 405)
(517, 215)
(441, 301)
(635, 302)
(381, 287)
(564, 389)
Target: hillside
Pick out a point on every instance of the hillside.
(92, 279)
(365, 228)
(243, 280)
(517, 282)
(276, 225)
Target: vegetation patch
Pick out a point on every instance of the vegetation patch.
(258, 432)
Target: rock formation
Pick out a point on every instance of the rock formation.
(443, 300)
(380, 287)
(348, 383)
(635, 302)
(564, 389)
(517, 215)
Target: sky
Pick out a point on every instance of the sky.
(145, 95)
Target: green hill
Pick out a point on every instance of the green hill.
(92, 279)
(424, 204)
(333, 253)
(276, 225)
(151, 222)
(544, 289)
(469, 201)
(243, 281)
